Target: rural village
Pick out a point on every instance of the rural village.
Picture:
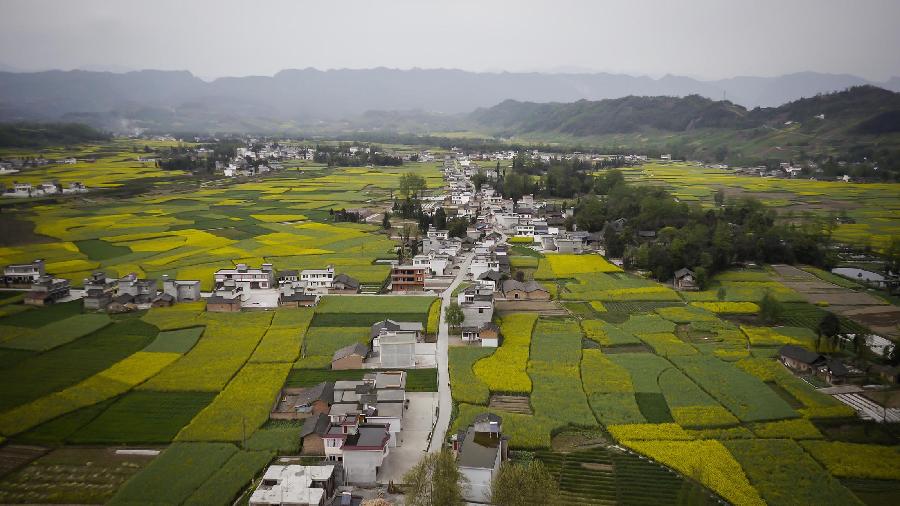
(411, 381)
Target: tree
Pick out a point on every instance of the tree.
(457, 227)
(719, 197)
(386, 220)
(435, 481)
(529, 483)
(411, 184)
(440, 219)
(454, 315)
(720, 294)
(829, 326)
(769, 308)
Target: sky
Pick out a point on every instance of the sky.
(707, 39)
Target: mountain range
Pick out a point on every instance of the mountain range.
(308, 99)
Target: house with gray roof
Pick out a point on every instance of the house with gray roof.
(480, 450)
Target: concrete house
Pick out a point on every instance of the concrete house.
(480, 450)
(247, 278)
(416, 329)
(47, 290)
(350, 357)
(317, 280)
(23, 275)
(290, 296)
(364, 447)
(408, 278)
(141, 291)
(488, 334)
(181, 290)
(295, 485)
(396, 350)
(99, 291)
(227, 298)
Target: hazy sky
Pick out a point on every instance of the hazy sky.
(700, 38)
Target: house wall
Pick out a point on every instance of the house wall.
(479, 484)
(489, 342)
(538, 295)
(313, 444)
(349, 362)
(361, 467)
(223, 308)
(515, 295)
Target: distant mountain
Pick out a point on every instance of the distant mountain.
(299, 99)
(857, 122)
(866, 105)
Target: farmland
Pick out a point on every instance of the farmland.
(178, 375)
(873, 208)
(688, 379)
(672, 376)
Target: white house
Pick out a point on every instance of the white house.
(480, 450)
(317, 280)
(247, 278)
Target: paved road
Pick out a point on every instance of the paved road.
(445, 402)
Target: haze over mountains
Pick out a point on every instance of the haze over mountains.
(178, 100)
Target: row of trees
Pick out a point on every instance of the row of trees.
(437, 481)
(677, 234)
(340, 155)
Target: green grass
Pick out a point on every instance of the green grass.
(554, 367)
(43, 316)
(366, 319)
(64, 366)
(71, 476)
(227, 482)
(784, 474)
(282, 436)
(176, 474)
(143, 417)
(175, 341)
(59, 332)
(387, 304)
(465, 385)
(324, 341)
(57, 431)
(745, 396)
(417, 380)
(98, 249)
